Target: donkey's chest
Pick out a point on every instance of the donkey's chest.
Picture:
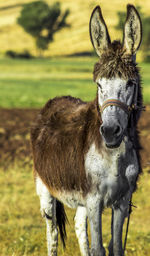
(105, 174)
(101, 165)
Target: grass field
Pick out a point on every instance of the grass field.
(22, 230)
(31, 83)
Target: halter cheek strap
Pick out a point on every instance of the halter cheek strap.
(117, 103)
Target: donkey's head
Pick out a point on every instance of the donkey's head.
(116, 74)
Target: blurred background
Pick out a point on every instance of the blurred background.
(45, 51)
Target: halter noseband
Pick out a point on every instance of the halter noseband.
(117, 103)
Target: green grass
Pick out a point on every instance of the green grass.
(30, 83)
(22, 229)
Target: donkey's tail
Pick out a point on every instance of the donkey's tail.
(61, 220)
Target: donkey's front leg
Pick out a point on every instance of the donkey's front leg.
(119, 215)
(94, 210)
(81, 230)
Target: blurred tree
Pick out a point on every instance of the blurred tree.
(145, 47)
(42, 21)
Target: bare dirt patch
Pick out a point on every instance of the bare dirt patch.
(15, 136)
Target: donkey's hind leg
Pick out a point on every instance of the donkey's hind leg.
(48, 210)
(81, 230)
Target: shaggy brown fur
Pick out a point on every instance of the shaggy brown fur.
(65, 129)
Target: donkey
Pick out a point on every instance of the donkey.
(86, 154)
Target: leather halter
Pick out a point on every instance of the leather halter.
(117, 103)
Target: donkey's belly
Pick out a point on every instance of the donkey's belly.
(72, 199)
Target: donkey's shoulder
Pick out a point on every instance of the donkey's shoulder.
(67, 121)
(62, 103)
(67, 113)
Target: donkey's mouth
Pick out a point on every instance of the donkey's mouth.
(112, 146)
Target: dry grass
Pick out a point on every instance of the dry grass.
(22, 230)
(76, 38)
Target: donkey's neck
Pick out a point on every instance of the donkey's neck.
(93, 123)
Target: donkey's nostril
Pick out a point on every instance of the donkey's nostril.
(102, 130)
(110, 131)
(117, 130)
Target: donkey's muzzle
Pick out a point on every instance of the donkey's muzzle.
(112, 135)
(111, 131)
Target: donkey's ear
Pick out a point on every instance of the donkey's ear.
(132, 30)
(98, 31)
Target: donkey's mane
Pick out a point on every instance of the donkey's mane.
(115, 62)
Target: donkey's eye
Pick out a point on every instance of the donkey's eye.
(99, 85)
(129, 84)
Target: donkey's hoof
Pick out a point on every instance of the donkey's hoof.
(110, 249)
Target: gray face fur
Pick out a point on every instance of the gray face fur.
(115, 119)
